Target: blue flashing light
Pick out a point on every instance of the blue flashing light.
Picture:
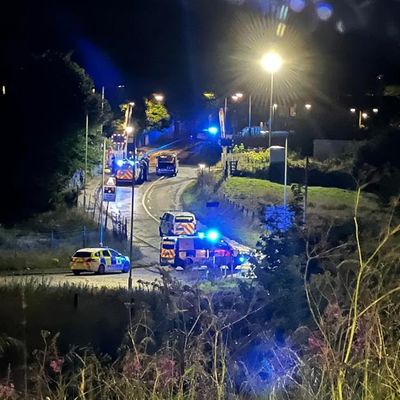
(120, 163)
(202, 235)
(242, 259)
(212, 130)
(213, 235)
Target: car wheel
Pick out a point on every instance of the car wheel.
(76, 272)
(126, 267)
(101, 270)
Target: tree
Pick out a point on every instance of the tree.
(48, 95)
(157, 116)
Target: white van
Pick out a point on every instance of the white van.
(176, 223)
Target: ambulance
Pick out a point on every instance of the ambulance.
(176, 223)
(185, 251)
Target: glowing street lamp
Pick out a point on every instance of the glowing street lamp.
(375, 110)
(129, 129)
(308, 106)
(352, 110)
(159, 97)
(272, 63)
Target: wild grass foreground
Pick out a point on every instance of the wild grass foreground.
(322, 323)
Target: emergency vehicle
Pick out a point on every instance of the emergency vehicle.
(184, 251)
(167, 164)
(99, 260)
(125, 170)
(177, 223)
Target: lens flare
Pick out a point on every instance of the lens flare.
(297, 5)
(324, 11)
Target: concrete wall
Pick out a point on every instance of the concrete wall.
(324, 148)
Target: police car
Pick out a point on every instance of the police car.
(99, 260)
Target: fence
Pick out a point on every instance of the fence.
(113, 221)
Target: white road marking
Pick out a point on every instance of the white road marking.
(144, 198)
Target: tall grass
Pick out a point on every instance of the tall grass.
(179, 342)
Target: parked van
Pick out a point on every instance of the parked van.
(176, 223)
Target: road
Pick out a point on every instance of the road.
(152, 198)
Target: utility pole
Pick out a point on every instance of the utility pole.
(271, 106)
(285, 177)
(305, 192)
(86, 161)
(103, 167)
(250, 113)
(130, 107)
(102, 194)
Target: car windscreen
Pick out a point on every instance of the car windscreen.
(164, 164)
(83, 254)
(186, 219)
(168, 245)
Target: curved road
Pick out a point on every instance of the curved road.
(151, 200)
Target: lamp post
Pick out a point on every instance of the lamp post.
(158, 97)
(130, 131)
(272, 63)
(86, 160)
(363, 115)
(103, 167)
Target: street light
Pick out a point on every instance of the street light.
(129, 131)
(272, 63)
(159, 97)
(308, 106)
(361, 115)
(375, 110)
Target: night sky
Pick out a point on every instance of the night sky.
(182, 47)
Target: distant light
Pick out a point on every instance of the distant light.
(340, 27)
(324, 11)
(202, 235)
(121, 86)
(93, 90)
(159, 97)
(213, 235)
(129, 129)
(275, 106)
(364, 115)
(202, 166)
(239, 95)
(353, 110)
(3, 90)
(375, 110)
(308, 106)
(297, 5)
(272, 62)
(213, 130)
(235, 98)
(120, 163)
(209, 95)
(132, 104)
